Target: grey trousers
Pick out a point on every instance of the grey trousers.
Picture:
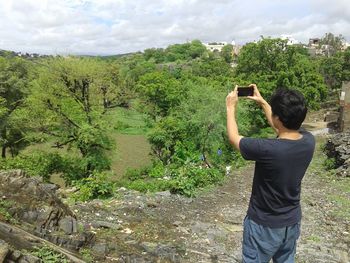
(261, 243)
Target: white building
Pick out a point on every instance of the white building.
(290, 40)
(215, 46)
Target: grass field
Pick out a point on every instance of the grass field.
(129, 133)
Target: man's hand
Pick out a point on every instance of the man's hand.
(257, 96)
(265, 106)
(232, 98)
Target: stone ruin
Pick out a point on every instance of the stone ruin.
(338, 147)
(344, 116)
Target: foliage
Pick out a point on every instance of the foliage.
(330, 164)
(43, 164)
(180, 90)
(190, 178)
(36, 163)
(14, 78)
(97, 185)
(336, 42)
(87, 255)
(67, 104)
(336, 69)
(159, 92)
(227, 53)
(184, 179)
(271, 63)
(48, 255)
(5, 205)
(186, 51)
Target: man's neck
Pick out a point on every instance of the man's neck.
(289, 134)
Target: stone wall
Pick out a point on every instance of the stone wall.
(344, 118)
(338, 147)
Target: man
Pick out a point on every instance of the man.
(272, 224)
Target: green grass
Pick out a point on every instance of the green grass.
(132, 152)
(340, 196)
(126, 121)
(314, 238)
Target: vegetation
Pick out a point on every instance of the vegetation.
(4, 211)
(73, 108)
(47, 254)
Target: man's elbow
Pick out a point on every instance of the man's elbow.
(235, 142)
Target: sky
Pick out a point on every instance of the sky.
(106, 27)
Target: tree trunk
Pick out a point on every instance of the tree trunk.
(3, 152)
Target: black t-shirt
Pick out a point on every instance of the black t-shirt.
(280, 166)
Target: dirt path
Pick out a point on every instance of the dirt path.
(170, 228)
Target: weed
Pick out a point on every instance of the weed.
(48, 255)
(87, 255)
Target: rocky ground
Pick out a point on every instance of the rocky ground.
(162, 227)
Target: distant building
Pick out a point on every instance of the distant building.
(314, 42)
(215, 46)
(290, 40)
(315, 48)
(345, 45)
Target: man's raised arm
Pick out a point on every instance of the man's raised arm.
(232, 128)
(264, 105)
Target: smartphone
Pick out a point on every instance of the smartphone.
(245, 91)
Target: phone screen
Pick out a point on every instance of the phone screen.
(245, 91)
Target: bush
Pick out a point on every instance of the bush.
(48, 255)
(330, 164)
(190, 178)
(152, 185)
(184, 179)
(36, 163)
(97, 185)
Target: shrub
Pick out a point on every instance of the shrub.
(184, 179)
(48, 255)
(36, 163)
(96, 185)
(330, 164)
(190, 178)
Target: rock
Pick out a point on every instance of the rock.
(29, 259)
(338, 148)
(50, 187)
(100, 249)
(177, 223)
(30, 216)
(149, 246)
(163, 194)
(151, 203)
(4, 250)
(104, 224)
(15, 255)
(68, 225)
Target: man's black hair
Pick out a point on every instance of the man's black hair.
(290, 107)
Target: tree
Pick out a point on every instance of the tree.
(227, 53)
(66, 104)
(271, 63)
(336, 42)
(336, 69)
(14, 76)
(159, 92)
(194, 130)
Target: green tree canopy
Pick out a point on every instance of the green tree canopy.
(66, 103)
(14, 78)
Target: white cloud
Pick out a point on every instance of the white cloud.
(119, 26)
